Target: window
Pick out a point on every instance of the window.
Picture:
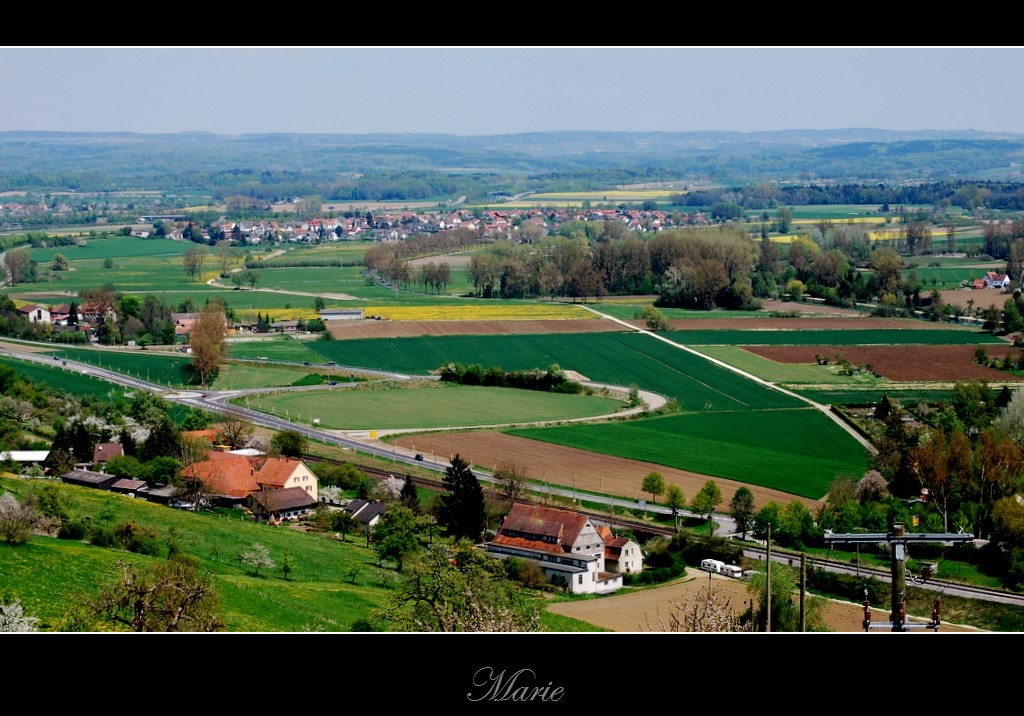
(580, 579)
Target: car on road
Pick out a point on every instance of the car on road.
(419, 456)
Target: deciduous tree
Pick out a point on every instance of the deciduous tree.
(741, 509)
(511, 477)
(13, 619)
(257, 557)
(675, 500)
(459, 590)
(396, 535)
(706, 500)
(208, 341)
(654, 484)
(169, 596)
(289, 443)
(192, 260)
(17, 518)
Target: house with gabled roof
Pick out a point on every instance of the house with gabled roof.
(368, 512)
(275, 506)
(621, 554)
(231, 478)
(994, 279)
(35, 313)
(565, 544)
(278, 473)
(103, 452)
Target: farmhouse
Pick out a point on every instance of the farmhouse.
(566, 545)
(35, 313)
(993, 279)
(232, 478)
(275, 506)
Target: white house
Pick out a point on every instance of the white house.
(566, 545)
(994, 279)
(35, 313)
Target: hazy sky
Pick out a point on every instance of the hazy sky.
(473, 91)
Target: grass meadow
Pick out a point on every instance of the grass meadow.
(332, 584)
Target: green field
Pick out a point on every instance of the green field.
(60, 379)
(437, 405)
(775, 372)
(797, 451)
(613, 358)
(165, 369)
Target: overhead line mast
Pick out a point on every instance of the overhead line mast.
(897, 539)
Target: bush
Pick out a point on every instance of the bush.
(101, 536)
(526, 571)
(145, 544)
(849, 586)
(73, 530)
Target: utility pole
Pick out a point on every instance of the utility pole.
(897, 539)
(768, 580)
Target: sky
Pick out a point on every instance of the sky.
(505, 90)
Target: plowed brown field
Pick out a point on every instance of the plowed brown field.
(570, 467)
(410, 329)
(901, 363)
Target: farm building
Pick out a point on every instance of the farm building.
(566, 545)
(342, 314)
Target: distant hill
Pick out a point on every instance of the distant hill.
(86, 159)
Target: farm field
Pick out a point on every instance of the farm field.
(428, 405)
(349, 330)
(929, 363)
(801, 452)
(571, 466)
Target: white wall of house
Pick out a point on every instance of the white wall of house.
(630, 559)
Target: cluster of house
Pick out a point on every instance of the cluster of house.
(273, 489)
(397, 226)
(572, 550)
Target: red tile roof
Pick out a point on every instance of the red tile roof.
(105, 451)
(225, 474)
(276, 471)
(541, 528)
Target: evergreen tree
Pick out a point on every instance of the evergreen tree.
(462, 512)
(163, 441)
(410, 498)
